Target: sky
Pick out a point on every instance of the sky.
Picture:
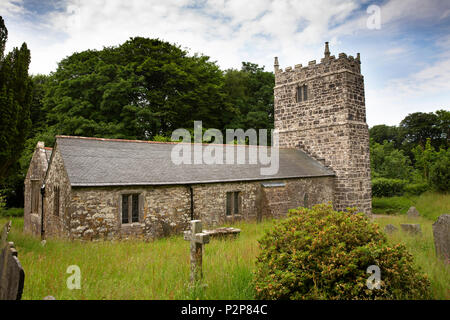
(404, 44)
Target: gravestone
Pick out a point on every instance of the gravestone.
(413, 213)
(11, 273)
(223, 232)
(390, 228)
(411, 228)
(197, 239)
(441, 233)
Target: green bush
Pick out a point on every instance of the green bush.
(11, 212)
(416, 188)
(384, 187)
(320, 253)
(388, 205)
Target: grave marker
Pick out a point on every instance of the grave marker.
(197, 239)
(441, 234)
(11, 273)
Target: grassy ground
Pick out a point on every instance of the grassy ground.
(430, 205)
(137, 270)
(423, 250)
(160, 269)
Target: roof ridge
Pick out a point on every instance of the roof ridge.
(156, 142)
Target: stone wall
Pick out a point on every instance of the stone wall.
(35, 175)
(96, 211)
(56, 222)
(330, 124)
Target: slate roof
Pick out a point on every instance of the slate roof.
(113, 162)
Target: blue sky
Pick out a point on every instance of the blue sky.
(405, 57)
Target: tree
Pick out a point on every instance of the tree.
(388, 162)
(382, 132)
(420, 126)
(15, 100)
(250, 92)
(424, 156)
(440, 171)
(443, 126)
(138, 90)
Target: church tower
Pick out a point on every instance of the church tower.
(320, 108)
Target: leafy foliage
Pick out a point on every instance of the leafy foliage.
(15, 100)
(142, 88)
(320, 253)
(388, 162)
(440, 171)
(385, 187)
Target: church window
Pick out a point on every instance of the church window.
(56, 200)
(233, 203)
(35, 188)
(130, 208)
(305, 200)
(302, 93)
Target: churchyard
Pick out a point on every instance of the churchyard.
(161, 269)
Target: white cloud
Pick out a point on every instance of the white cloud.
(232, 31)
(424, 91)
(11, 7)
(229, 31)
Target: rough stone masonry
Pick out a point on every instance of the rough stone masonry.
(95, 188)
(320, 108)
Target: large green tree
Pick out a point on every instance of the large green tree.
(250, 92)
(15, 100)
(138, 90)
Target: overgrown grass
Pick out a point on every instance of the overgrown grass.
(160, 269)
(136, 269)
(424, 252)
(430, 205)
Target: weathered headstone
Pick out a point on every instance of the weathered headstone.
(197, 239)
(411, 228)
(413, 213)
(11, 273)
(441, 233)
(223, 232)
(390, 228)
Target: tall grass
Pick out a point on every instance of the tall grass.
(136, 269)
(429, 204)
(423, 250)
(160, 269)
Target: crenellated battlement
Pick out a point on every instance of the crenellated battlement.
(328, 64)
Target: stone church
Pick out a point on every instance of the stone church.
(93, 188)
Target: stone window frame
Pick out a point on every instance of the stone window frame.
(56, 200)
(234, 194)
(35, 187)
(304, 91)
(140, 207)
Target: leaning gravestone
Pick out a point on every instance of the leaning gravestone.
(413, 213)
(411, 228)
(390, 228)
(11, 273)
(441, 233)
